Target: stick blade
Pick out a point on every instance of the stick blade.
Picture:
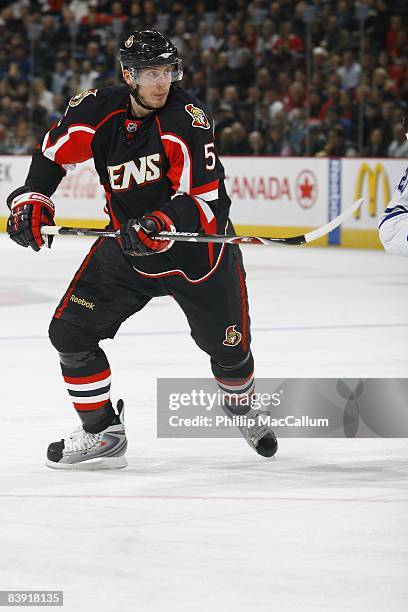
(329, 227)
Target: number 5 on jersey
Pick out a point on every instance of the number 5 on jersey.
(209, 154)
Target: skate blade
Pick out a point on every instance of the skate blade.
(105, 463)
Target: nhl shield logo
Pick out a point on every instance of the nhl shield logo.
(232, 336)
(198, 115)
(81, 95)
(131, 127)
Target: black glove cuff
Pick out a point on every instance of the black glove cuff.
(17, 192)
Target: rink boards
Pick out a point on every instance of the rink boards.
(271, 196)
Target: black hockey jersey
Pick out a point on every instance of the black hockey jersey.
(166, 161)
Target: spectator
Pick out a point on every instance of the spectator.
(233, 51)
(349, 72)
(333, 100)
(335, 38)
(335, 145)
(60, 78)
(399, 145)
(287, 44)
(180, 36)
(377, 146)
(320, 60)
(275, 105)
(226, 118)
(149, 15)
(256, 143)
(234, 58)
(4, 143)
(88, 76)
(235, 140)
(274, 141)
(207, 39)
(43, 95)
(23, 141)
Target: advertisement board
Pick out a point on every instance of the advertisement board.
(271, 196)
(276, 191)
(374, 180)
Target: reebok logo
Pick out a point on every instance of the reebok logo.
(82, 302)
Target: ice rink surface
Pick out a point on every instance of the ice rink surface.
(207, 524)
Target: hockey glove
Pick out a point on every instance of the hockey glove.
(29, 211)
(137, 235)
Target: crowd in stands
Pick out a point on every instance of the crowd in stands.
(288, 77)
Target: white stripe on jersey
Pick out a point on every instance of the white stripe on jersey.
(208, 213)
(209, 196)
(185, 183)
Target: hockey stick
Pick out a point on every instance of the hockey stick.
(53, 230)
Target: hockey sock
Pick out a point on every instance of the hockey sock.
(236, 383)
(87, 378)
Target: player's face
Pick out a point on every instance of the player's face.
(155, 93)
(154, 85)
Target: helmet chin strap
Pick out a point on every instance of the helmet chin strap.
(135, 94)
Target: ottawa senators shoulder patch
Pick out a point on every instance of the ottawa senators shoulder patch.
(75, 100)
(199, 118)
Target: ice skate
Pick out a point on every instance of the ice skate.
(258, 435)
(82, 450)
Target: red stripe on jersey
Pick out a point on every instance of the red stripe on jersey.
(77, 147)
(84, 380)
(76, 278)
(159, 126)
(116, 112)
(75, 150)
(175, 154)
(243, 307)
(176, 157)
(94, 406)
(205, 188)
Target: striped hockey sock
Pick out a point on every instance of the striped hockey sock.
(236, 383)
(89, 389)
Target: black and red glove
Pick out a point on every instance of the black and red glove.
(137, 235)
(29, 211)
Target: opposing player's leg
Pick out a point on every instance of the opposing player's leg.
(103, 293)
(218, 315)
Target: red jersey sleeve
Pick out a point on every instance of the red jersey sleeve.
(69, 141)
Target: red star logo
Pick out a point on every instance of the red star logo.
(306, 189)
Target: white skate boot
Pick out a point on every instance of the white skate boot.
(258, 435)
(91, 451)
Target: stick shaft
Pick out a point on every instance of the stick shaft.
(50, 230)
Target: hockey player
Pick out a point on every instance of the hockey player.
(153, 148)
(393, 224)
